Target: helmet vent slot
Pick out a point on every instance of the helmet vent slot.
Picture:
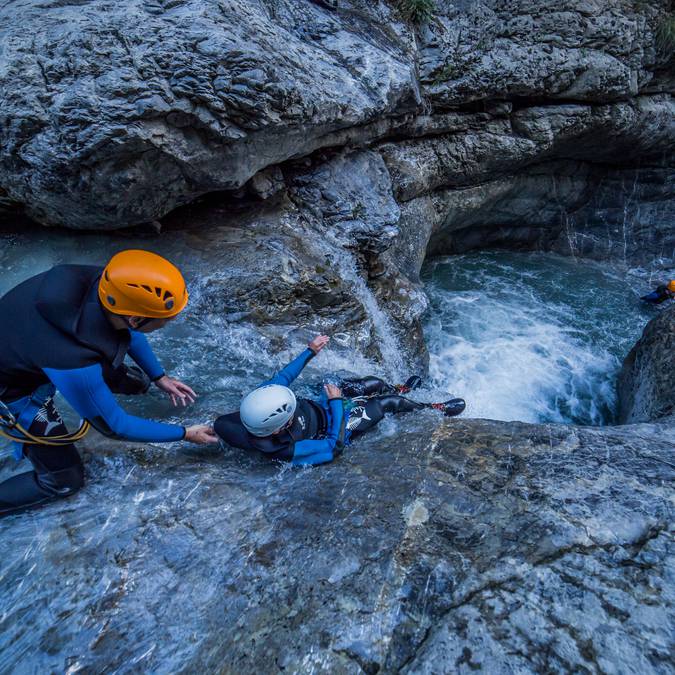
(133, 285)
(147, 288)
(167, 294)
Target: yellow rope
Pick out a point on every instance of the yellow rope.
(29, 439)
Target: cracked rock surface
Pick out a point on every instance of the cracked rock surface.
(499, 546)
(163, 101)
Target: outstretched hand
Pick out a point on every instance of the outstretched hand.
(332, 391)
(318, 343)
(176, 390)
(201, 434)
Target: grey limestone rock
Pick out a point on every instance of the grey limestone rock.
(582, 179)
(114, 113)
(450, 546)
(646, 384)
(160, 102)
(573, 50)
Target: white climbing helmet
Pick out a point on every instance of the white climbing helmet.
(266, 409)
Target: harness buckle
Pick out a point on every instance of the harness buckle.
(7, 418)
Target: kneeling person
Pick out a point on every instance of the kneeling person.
(301, 431)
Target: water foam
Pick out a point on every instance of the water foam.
(530, 337)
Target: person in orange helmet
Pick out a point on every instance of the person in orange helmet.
(661, 293)
(69, 329)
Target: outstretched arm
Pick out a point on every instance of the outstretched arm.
(286, 375)
(141, 352)
(88, 394)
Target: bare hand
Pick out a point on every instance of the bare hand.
(202, 434)
(318, 343)
(332, 391)
(176, 390)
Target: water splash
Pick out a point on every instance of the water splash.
(530, 337)
(393, 362)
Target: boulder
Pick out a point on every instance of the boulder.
(646, 386)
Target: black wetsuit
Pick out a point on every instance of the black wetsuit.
(55, 335)
(661, 294)
(372, 399)
(309, 423)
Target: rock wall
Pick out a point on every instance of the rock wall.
(164, 101)
(646, 384)
(528, 124)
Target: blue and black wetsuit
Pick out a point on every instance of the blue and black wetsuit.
(312, 438)
(319, 428)
(661, 294)
(54, 334)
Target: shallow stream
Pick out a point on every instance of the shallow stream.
(146, 565)
(521, 336)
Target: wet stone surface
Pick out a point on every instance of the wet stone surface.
(647, 381)
(449, 545)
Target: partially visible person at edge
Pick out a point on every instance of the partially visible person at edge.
(301, 431)
(69, 329)
(661, 293)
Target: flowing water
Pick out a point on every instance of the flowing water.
(129, 536)
(534, 337)
(142, 566)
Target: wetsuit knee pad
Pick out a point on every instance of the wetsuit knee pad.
(58, 471)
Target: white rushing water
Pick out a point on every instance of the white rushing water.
(531, 336)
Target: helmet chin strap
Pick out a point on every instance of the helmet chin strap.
(286, 427)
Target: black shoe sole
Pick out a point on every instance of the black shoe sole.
(454, 407)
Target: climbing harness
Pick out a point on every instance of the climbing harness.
(13, 430)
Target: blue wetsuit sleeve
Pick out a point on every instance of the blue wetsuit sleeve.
(320, 452)
(141, 352)
(286, 375)
(89, 395)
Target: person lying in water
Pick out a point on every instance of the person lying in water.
(661, 293)
(302, 431)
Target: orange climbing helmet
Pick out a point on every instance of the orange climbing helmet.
(671, 286)
(140, 283)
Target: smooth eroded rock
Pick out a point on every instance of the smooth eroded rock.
(646, 384)
(445, 546)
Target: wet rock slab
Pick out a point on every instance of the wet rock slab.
(446, 547)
